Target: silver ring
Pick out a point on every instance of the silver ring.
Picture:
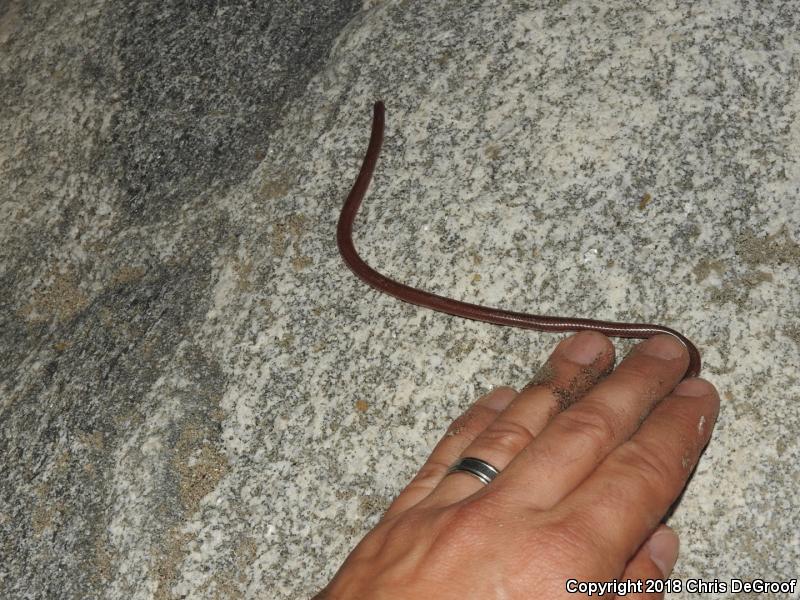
(476, 467)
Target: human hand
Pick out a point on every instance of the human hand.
(589, 461)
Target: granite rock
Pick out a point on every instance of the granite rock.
(199, 400)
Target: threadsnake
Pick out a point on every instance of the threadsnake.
(344, 238)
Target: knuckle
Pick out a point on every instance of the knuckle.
(595, 423)
(504, 389)
(471, 422)
(400, 531)
(464, 525)
(650, 468)
(477, 513)
(505, 437)
(470, 514)
(429, 476)
(569, 538)
(635, 370)
(644, 374)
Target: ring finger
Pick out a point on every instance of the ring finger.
(459, 435)
(575, 366)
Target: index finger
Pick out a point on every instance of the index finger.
(621, 503)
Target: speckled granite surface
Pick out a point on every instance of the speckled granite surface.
(198, 400)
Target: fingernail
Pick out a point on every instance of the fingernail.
(693, 387)
(663, 548)
(584, 347)
(662, 346)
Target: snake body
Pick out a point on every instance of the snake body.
(344, 237)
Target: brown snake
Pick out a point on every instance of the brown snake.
(344, 238)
